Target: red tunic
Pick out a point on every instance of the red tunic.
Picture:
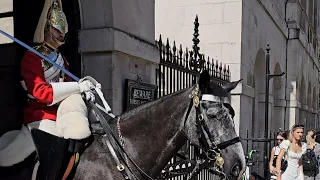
(33, 76)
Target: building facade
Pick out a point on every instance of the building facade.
(116, 46)
(237, 33)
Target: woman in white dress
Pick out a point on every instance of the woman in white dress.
(293, 149)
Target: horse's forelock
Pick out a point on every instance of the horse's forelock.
(217, 90)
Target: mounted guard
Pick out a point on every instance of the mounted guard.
(57, 117)
(55, 111)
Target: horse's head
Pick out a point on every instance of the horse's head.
(210, 126)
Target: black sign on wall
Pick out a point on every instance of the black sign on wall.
(138, 93)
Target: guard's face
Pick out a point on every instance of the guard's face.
(55, 37)
(57, 34)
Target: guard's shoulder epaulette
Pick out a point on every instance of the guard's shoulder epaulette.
(41, 49)
(44, 50)
(36, 47)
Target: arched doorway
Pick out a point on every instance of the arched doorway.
(71, 49)
(277, 114)
(259, 89)
(25, 18)
(314, 106)
(309, 114)
(303, 101)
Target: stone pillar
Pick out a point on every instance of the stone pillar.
(292, 86)
(117, 42)
(278, 115)
(243, 97)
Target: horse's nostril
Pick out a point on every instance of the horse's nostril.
(235, 170)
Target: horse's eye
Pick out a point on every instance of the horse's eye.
(229, 107)
(211, 114)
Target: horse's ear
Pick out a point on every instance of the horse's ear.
(204, 79)
(230, 86)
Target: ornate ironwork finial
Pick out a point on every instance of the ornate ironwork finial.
(195, 38)
(197, 60)
(268, 48)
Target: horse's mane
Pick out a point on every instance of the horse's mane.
(213, 88)
(155, 102)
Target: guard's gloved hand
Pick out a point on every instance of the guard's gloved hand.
(86, 86)
(89, 96)
(98, 85)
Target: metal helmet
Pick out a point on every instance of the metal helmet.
(52, 15)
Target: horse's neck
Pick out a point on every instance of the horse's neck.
(153, 135)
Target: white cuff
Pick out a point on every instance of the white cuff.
(62, 90)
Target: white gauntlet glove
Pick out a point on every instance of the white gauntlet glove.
(89, 96)
(86, 86)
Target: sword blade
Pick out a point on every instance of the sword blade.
(50, 59)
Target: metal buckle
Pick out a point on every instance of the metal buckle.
(120, 167)
(200, 116)
(194, 96)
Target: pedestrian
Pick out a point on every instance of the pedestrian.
(293, 149)
(281, 136)
(309, 159)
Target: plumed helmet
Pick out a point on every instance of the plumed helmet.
(52, 15)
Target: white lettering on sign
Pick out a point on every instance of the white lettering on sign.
(141, 94)
(135, 101)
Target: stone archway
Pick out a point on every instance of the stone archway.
(259, 90)
(309, 114)
(71, 49)
(309, 96)
(26, 20)
(315, 106)
(278, 110)
(314, 99)
(303, 102)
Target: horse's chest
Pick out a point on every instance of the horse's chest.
(96, 164)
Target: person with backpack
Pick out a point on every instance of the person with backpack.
(281, 136)
(310, 159)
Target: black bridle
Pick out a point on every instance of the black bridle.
(206, 141)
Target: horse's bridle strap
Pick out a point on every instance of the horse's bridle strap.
(225, 144)
(203, 130)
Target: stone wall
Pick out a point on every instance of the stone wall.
(237, 33)
(119, 44)
(258, 30)
(220, 31)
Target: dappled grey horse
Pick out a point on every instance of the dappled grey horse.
(152, 134)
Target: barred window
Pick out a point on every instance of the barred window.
(6, 19)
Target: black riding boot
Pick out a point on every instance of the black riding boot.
(53, 155)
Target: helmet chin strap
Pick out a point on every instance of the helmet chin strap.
(60, 43)
(57, 40)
